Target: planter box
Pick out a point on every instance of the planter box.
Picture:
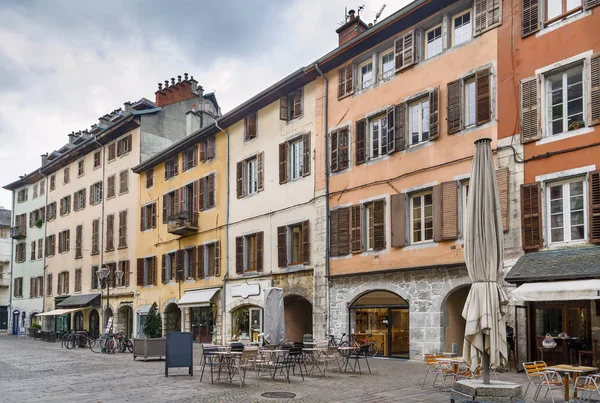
(150, 348)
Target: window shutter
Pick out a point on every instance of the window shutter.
(181, 195)
(176, 165)
(360, 139)
(594, 195)
(153, 271)
(355, 229)
(283, 149)
(391, 130)
(193, 270)
(531, 222)
(179, 259)
(398, 216)
(530, 17)
(587, 4)
(344, 231)
(488, 14)
(454, 106)
(211, 190)
(595, 86)
(49, 284)
(405, 51)
(202, 146)
(502, 181)
(259, 250)
(483, 110)
(282, 246)
(449, 210)
(334, 151)
(218, 258)
(437, 213)
(239, 255)
(333, 233)
(31, 287)
(379, 224)
(434, 114)
(211, 147)
(261, 174)
(239, 180)
(283, 108)
(399, 119)
(297, 100)
(306, 242)
(195, 197)
(163, 270)
(341, 82)
(164, 209)
(153, 219)
(200, 273)
(529, 110)
(307, 151)
(250, 126)
(202, 188)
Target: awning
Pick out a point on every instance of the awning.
(80, 301)
(144, 309)
(197, 297)
(59, 312)
(558, 290)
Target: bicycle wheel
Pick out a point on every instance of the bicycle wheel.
(96, 345)
(64, 339)
(70, 342)
(344, 353)
(373, 349)
(110, 346)
(129, 345)
(91, 343)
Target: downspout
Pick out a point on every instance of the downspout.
(223, 309)
(101, 230)
(325, 139)
(45, 231)
(10, 285)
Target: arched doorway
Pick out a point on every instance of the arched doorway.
(454, 323)
(125, 320)
(297, 312)
(384, 315)
(94, 323)
(33, 318)
(172, 316)
(246, 323)
(78, 321)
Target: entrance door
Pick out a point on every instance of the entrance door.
(3, 320)
(255, 323)
(15, 323)
(521, 336)
(94, 323)
(398, 327)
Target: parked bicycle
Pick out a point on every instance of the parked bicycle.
(105, 344)
(123, 343)
(359, 342)
(77, 340)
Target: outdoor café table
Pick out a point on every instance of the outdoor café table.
(567, 370)
(345, 352)
(313, 355)
(227, 360)
(450, 355)
(454, 361)
(272, 360)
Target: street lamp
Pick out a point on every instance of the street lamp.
(103, 273)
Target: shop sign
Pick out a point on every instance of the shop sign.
(245, 290)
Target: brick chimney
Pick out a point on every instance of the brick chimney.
(177, 91)
(351, 29)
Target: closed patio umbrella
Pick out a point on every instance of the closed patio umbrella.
(485, 332)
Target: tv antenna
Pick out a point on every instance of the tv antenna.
(359, 9)
(378, 14)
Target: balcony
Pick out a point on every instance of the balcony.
(183, 223)
(18, 232)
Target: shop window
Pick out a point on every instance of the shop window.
(246, 324)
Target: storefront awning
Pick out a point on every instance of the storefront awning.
(558, 290)
(80, 301)
(197, 297)
(60, 312)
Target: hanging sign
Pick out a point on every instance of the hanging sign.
(108, 325)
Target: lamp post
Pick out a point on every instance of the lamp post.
(103, 273)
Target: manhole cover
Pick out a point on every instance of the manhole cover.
(279, 395)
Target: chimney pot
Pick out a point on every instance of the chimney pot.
(178, 79)
(172, 80)
(127, 107)
(351, 14)
(160, 86)
(185, 76)
(166, 84)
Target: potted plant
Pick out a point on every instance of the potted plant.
(35, 330)
(38, 223)
(153, 345)
(576, 124)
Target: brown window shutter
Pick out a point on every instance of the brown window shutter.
(250, 126)
(261, 173)
(181, 195)
(594, 195)
(454, 106)
(343, 148)
(344, 231)
(202, 188)
(31, 287)
(399, 120)
(356, 228)
(211, 147)
(529, 110)
(405, 51)
(153, 216)
(483, 110)
(195, 197)
(193, 270)
(334, 151)
(502, 182)
(488, 14)
(175, 201)
(449, 210)
(180, 257)
(143, 219)
(164, 209)
(360, 140)
(341, 82)
(437, 213)
(282, 246)
(379, 224)
(306, 242)
(297, 99)
(306, 154)
(587, 4)
(530, 17)
(239, 179)
(434, 114)
(349, 79)
(398, 215)
(239, 255)
(153, 271)
(211, 191)
(333, 233)
(531, 221)
(391, 130)
(398, 52)
(283, 151)
(176, 165)
(218, 258)
(283, 108)
(202, 146)
(163, 269)
(595, 87)
(260, 236)
(200, 272)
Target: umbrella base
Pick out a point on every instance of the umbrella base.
(469, 391)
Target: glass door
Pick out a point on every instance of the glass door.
(399, 346)
(255, 323)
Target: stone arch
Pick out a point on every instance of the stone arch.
(451, 318)
(167, 303)
(251, 301)
(298, 318)
(172, 318)
(125, 319)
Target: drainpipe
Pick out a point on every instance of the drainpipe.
(224, 313)
(325, 139)
(12, 266)
(46, 184)
(101, 229)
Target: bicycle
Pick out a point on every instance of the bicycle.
(373, 346)
(106, 343)
(123, 343)
(334, 342)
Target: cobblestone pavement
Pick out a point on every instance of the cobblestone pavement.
(37, 371)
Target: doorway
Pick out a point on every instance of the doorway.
(15, 323)
(125, 320)
(298, 317)
(94, 323)
(172, 318)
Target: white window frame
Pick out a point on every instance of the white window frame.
(453, 28)
(560, 17)
(427, 43)
(386, 75)
(566, 211)
(546, 97)
(467, 107)
(81, 199)
(363, 85)
(381, 136)
(296, 167)
(419, 102)
(411, 217)
(464, 198)
(251, 175)
(97, 196)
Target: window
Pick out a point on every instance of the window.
(366, 74)
(171, 168)
(110, 232)
(96, 193)
(249, 253)
(40, 245)
(190, 158)
(296, 244)
(169, 267)
(379, 138)
(77, 280)
(469, 102)
(290, 107)
(78, 241)
(35, 191)
(123, 146)
(110, 187)
(461, 28)
(95, 237)
(97, 159)
(250, 249)
(65, 205)
(51, 211)
(123, 229)
(42, 188)
(169, 210)
(52, 182)
(421, 218)
(94, 277)
(149, 178)
(64, 241)
(470, 99)
(22, 195)
(339, 149)
(79, 200)
(63, 283)
(373, 229)
(251, 175)
(246, 324)
(123, 182)
(111, 152)
(419, 121)
(433, 42)
(567, 213)
(564, 94)
(250, 126)
(209, 252)
(207, 192)
(66, 175)
(50, 245)
(207, 149)
(20, 252)
(148, 217)
(189, 262)
(345, 81)
(80, 168)
(388, 65)
(32, 250)
(124, 280)
(37, 286)
(465, 199)
(18, 287)
(49, 285)
(559, 9)
(294, 158)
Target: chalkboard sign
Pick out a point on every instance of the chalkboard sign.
(179, 351)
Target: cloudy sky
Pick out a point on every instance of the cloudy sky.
(65, 63)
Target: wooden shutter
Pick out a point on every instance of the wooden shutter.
(305, 242)
(587, 4)
(250, 126)
(202, 186)
(194, 197)
(218, 258)
(110, 222)
(344, 231)
(239, 255)
(399, 119)
(594, 218)
(341, 82)
(398, 219)
(283, 108)
(483, 110)
(359, 142)
(153, 216)
(179, 263)
(259, 251)
(163, 269)
(531, 216)
(529, 110)
(355, 228)
(211, 190)
(282, 246)
(530, 17)
(454, 106)
(181, 194)
(595, 87)
(193, 270)
(349, 79)
(502, 182)
(297, 103)
(200, 272)
(164, 209)
(260, 169)
(334, 151)
(333, 233)
(379, 224)
(488, 14)
(195, 155)
(49, 284)
(405, 51)
(306, 154)
(449, 210)
(437, 212)
(211, 147)
(153, 271)
(239, 169)
(31, 287)
(143, 220)
(176, 165)
(283, 151)
(391, 130)
(434, 114)
(203, 150)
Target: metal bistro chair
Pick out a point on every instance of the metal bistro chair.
(361, 354)
(586, 387)
(290, 360)
(540, 377)
(248, 360)
(438, 368)
(592, 353)
(212, 359)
